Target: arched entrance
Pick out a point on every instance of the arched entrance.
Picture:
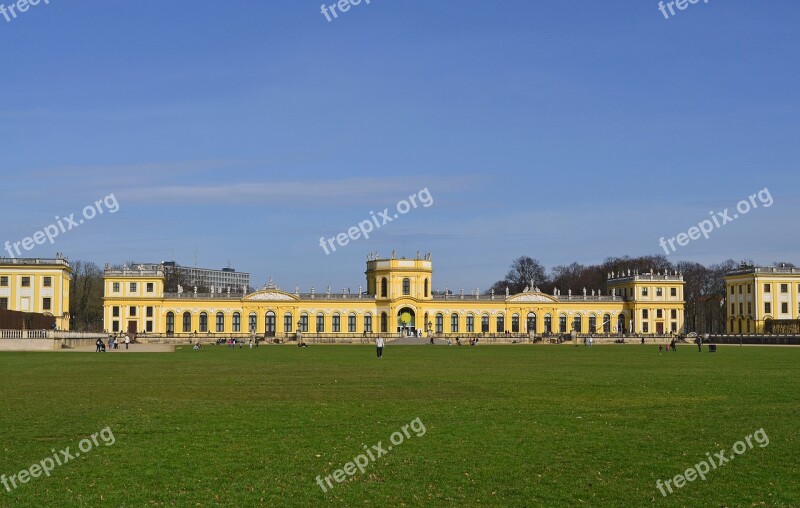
(621, 324)
(406, 321)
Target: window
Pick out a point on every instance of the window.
(767, 308)
(320, 322)
(454, 322)
(439, 323)
(740, 288)
(673, 314)
(170, 322)
(515, 323)
(4, 281)
(741, 308)
(46, 302)
(750, 288)
(644, 291)
(220, 322)
(115, 326)
(659, 314)
(607, 323)
(592, 324)
(269, 323)
(576, 323)
(659, 292)
(767, 288)
(26, 282)
(784, 307)
(115, 311)
(336, 323)
(784, 288)
(203, 322)
(351, 322)
(368, 323)
(426, 288)
(531, 324)
(252, 322)
(4, 303)
(562, 323)
(645, 327)
(149, 287)
(406, 287)
(673, 291)
(132, 311)
(733, 290)
(187, 322)
(304, 322)
(384, 322)
(237, 322)
(645, 313)
(149, 312)
(47, 282)
(485, 323)
(749, 309)
(287, 322)
(133, 287)
(148, 326)
(115, 287)
(548, 323)
(674, 327)
(470, 323)
(501, 323)
(383, 287)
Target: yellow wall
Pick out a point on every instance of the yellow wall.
(35, 296)
(755, 295)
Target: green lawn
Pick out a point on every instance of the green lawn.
(504, 425)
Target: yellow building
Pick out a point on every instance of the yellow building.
(759, 298)
(36, 285)
(398, 299)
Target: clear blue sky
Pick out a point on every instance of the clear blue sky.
(567, 131)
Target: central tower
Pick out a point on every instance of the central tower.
(394, 279)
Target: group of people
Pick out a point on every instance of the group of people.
(113, 343)
(671, 347)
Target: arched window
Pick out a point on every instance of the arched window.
(501, 323)
(288, 322)
(548, 323)
(203, 322)
(220, 322)
(607, 323)
(562, 323)
(515, 323)
(336, 323)
(170, 322)
(621, 323)
(454, 323)
(576, 323)
(531, 324)
(304, 322)
(383, 287)
(237, 322)
(252, 322)
(439, 323)
(368, 323)
(470, 323)
(406, 286)
(269, 323)
(485, 323)
(187, 322)
(351, 322)
(320, 322)
(592, 324)
(384, 322)
(426, 288)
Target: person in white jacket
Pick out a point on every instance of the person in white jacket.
(379, 345)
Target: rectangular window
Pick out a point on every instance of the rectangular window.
(203, 322)
(749, 288)
(784, 288)
(368, 323)
(252, 323)
(733, 290)
(149, 312)
(46, 302)
(562, 324)
(439, 323)
(645, 327)
(674, 327)
(784, 308)
(187, 322)
(304, 323)
(26, 282)
(148, 326)
(454, 323)
(3, 303)
(644, 291)
(47, 282)
(659, 292)
(132, 311)
(767, 288)
(237, 322)
(741, 308)
(287, 323)
(740, 288)
(749, 308)
(673, 291)
(4, 282)
(115, 311)
(733, 309)
(645, 313)
(336, 323)
(320, 322)
(149, 287)
(470, 323)
(673, 314)
(767, 308)
(115, 287)
(220, 322)
(659, 313)
(351, 323)
(115, 326)
(133, 287)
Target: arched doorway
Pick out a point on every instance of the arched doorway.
(269, 324)
(621, 323)
(406, 321)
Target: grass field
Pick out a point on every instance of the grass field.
(503, 426)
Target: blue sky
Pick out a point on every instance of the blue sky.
(245, 131)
